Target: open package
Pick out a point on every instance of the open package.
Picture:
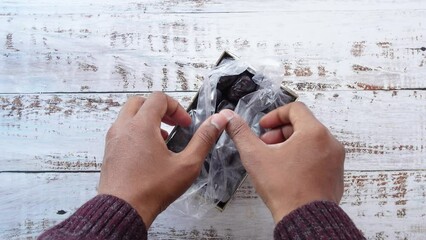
(234, 85)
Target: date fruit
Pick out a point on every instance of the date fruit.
(243, 86)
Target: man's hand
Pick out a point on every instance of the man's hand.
(139, 168)
(298, 161)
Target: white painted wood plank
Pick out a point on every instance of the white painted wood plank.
(381, 130)
(203, 6)
(96, 46)
(119, 48)
(44, 124)
(384, 205)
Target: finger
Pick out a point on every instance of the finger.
(272, 137)
(206, 135)
(164, 134)
(295, 114)
(242, 135)
(159, 105)
(277, 135)
(167, 120)
(287, 131)
(130, 108)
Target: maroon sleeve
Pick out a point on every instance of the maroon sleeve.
(317, 220)
(103, 217)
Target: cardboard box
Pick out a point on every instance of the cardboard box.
(173, 146)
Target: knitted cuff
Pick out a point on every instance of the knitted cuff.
(103, 217)
(317, 220)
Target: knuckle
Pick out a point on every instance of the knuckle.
(320, 133)
(159, 94)
(159, 97)
(237, 128)
(341, 150)
(298, 104)
(206, 137)
(135, 99)
(112, 132)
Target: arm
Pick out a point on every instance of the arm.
(102, 217)
(297, 169)
(317, 220)
(140, 177)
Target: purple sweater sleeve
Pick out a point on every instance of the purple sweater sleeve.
(103, 217)
(108, 217)
(317, 220)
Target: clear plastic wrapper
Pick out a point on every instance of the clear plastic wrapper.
(232, 85)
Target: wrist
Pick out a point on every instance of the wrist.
(148, 215)
(148, 210)
(279, 211)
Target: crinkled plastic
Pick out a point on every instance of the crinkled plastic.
(233, 85)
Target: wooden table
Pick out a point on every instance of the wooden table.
(67, 67)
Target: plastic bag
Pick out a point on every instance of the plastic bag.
(233, 85)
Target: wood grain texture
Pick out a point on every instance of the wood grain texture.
(380, 130)
(42, 129)
(67, 67)
(385, 205)
(205, 6)
(130, 46)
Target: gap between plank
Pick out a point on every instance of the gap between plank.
(253, 11)
(195, 91)
(96, 92)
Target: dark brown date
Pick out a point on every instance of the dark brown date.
(225, 82)
(219, 96)
(243, 86)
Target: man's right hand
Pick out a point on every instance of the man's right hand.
(297, 162)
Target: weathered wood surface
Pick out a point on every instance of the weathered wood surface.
(393, 202)
(67, 67)
(66, 131)
(130, 46)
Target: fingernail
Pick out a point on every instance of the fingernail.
(228, 114)
(218, 121)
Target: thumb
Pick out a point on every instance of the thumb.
(242, 135)
(206, 135)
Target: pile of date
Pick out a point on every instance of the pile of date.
(230, 89)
